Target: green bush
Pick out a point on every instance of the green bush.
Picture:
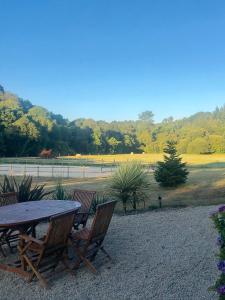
(98, 199)
(129, 183)
(23, 188)
(60, 193)
(219, 220)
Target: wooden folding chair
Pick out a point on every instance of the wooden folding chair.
(87, 242)
(85, 198)
(42, 255)
(8, 236)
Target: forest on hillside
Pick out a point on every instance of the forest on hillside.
(27, 129)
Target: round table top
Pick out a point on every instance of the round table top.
(34, 211)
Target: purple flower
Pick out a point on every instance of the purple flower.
(221, 208)
(221, 290)
(221, 266)
(213, 214)
(219, 241)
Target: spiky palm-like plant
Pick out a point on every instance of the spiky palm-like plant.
(128, 182)
(60, 193)
(24, 189)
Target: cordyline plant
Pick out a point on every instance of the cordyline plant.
(219, 220)
(60, 193)
(25, 191)
(129, 184)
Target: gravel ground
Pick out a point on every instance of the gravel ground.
(168, 254)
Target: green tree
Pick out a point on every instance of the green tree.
(113, 144)
(146, 116)
(171, 172)
(2, 89)
(200, 145)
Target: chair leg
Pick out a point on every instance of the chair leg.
(2, 251)
(65, 258)
(90, 265)
(33, 231)
(106, 253)
(81, 257)
(35, 271)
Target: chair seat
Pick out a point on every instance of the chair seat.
(82, 234)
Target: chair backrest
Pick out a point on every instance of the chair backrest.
(102, 220)
(8, 198)
(85, 198)
(59, 229)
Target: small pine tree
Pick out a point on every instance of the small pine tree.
(171, 172)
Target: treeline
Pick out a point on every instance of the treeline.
(26, 129)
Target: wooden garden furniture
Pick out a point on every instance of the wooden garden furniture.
(85, 198)
(23, 215)
(43, 255)
(7, 235)
(87, 242)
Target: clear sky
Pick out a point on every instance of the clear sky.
(112, 59)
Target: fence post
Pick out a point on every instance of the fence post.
(68, 172)
(52, 172)
(25, 169)
(38, 171)
(83, 172)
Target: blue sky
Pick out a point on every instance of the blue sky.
(113, 59)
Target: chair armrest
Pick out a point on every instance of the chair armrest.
(28, 238)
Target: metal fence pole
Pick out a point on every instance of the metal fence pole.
(11, 168)
(83, 172)
(68, 172)
(38, 171)
(52, 172)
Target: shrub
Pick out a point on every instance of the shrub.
(129, 183)
(60, 193)
(24, 189)
(199, 145)
(171, 172)
(98, 199)
(219, 221)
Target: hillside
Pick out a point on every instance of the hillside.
(26, 129)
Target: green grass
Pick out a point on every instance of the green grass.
(51, 161)
(205, 186)
(193, 160)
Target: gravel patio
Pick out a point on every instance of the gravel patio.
(168, 254)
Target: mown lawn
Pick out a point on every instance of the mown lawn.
(205, 186)
(193, 160)
(210, 160)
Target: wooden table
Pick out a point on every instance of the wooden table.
(23, 215)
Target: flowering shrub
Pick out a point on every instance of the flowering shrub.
(219, 219)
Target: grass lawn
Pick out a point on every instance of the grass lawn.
(194, 160)
(210, 160)
(205, 186)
